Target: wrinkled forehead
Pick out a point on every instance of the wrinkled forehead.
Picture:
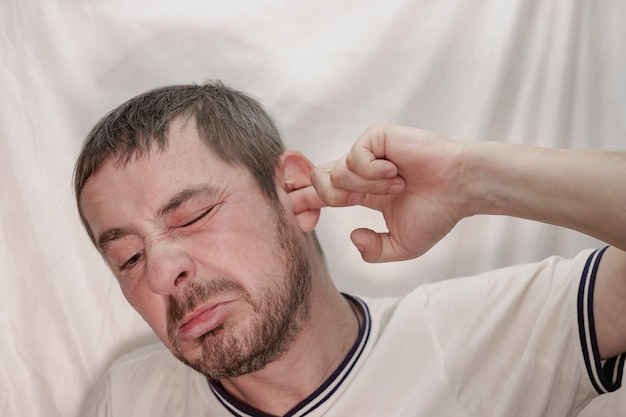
(183, 157)
(120, 150)
(181, 146)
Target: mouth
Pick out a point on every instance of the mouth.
(203, 320)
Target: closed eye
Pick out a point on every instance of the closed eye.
(200, 217)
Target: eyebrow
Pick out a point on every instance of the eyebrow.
(178, 199)
(109, 236)
(186, 195)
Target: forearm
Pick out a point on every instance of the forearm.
(423, 184)
(580, 190)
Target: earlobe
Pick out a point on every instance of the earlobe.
(296, 179)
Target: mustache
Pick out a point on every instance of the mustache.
(196, 293)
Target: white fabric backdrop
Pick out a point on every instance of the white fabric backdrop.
(539, 72)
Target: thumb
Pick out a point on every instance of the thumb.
(378, 247)
(369, 243)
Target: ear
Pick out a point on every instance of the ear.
(296, 181)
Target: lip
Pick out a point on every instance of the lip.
(203, 320)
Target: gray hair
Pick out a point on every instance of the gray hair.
(233, 125)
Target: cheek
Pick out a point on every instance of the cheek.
(236, 241)
(248, 255)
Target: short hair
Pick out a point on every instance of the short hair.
(231, 124)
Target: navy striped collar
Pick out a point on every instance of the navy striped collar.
(320, 395)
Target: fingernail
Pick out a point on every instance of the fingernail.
(396, 188)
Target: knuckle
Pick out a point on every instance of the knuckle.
(351, 161)
(378, 127)
(336, 178)
(335, 198)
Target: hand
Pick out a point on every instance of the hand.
(423, 184)
(413, 177)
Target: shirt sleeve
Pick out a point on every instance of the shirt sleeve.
(605, 376)
(521, 341)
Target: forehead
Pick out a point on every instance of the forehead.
(146, 181)
(184, 149)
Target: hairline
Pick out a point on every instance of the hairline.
(121, 160)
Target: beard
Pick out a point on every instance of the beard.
(280, 312)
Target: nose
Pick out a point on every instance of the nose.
(168, 266)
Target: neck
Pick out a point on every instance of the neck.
(316, 353)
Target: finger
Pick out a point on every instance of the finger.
(337, 197)
(348, 180)
(306, 199)
(328, 193)
(369, 243)
(372, 181)
(364, 161)
(377, 247)
(368, 156)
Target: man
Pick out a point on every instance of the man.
(208, 224)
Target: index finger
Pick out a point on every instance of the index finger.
(306, 199)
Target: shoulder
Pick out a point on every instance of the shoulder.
(135, 384)
(150, 365)
(551, 274)
(149, 358)
(484, 329)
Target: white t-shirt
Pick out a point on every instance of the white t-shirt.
(517, 341)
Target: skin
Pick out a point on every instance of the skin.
(423, 184)
(160, 243)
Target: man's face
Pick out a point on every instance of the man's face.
(218, 271)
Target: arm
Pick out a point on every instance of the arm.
(424, 184)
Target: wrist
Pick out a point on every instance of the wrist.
(485, 189)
